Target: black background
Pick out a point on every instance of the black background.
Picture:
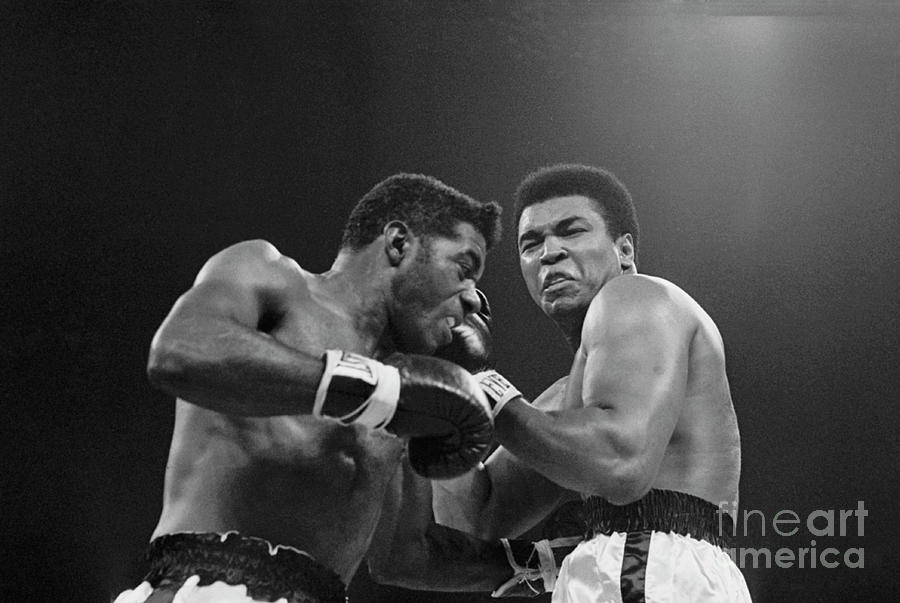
(760, 141)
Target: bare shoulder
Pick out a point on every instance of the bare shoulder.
(638, 294)
(640, 301)
(252, 262)
(687, 309)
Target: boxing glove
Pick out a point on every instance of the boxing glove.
(435, 403)
(471, 347)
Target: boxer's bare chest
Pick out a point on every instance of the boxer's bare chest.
(309, 482)
(314, 484)
(313, 445)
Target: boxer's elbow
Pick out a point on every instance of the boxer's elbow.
(624, 476)
(168, 363)
(631, 469)
(380, 571)
(386, 575)
(627, 482)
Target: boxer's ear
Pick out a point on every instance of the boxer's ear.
(625, 250)
(397, 240)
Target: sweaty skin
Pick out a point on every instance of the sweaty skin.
(645, 341)
(289, 479)
(646, 403)
(244, 345)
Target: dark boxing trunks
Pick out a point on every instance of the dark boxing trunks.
(269, 573)
(660, 511)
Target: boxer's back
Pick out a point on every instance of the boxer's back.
(310, 483)
(703, 455)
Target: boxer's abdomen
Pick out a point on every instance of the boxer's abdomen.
(312, 484)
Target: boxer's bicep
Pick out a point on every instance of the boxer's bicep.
(243, 290)
(636, 359)
(214, 349)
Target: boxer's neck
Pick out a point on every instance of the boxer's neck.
(357, 285)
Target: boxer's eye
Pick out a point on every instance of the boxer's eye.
(527, 245)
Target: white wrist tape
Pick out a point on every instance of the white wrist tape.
(547, 563)
(379, 408)
(521, 573)
(539, 570)
(497, 388)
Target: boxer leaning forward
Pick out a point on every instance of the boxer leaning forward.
(300, 395)
(641, 433)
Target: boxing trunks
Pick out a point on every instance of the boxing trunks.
(667, 546)
(230, 568)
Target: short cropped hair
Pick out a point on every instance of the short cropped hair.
(425, 204)
(600, 185)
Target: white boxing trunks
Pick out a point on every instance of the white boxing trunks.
(231, 568)
(665, 547)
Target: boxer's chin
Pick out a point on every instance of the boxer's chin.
(442, 338)
(431, 341)
(559, 304)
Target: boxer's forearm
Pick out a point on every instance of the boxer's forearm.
(501, 499)
(445, 559)
(578, 449)
(410, 550)
(224, 366)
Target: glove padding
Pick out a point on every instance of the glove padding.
(535, 565)
(435, 403)
(472, 344)
(447, 400)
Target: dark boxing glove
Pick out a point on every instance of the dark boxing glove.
(437, 404)
(471, 347)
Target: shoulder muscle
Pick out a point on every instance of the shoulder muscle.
(247, 262)
(632, 305)
(246, 281)
(635, 341)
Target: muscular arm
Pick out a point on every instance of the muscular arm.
(213, 348)
(635, 352)
(410, 550)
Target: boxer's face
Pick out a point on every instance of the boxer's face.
(566, 253)
(436, 289)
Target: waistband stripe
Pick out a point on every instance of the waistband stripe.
(634, 566)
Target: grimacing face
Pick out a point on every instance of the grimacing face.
(436, 289)
(566, 254)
